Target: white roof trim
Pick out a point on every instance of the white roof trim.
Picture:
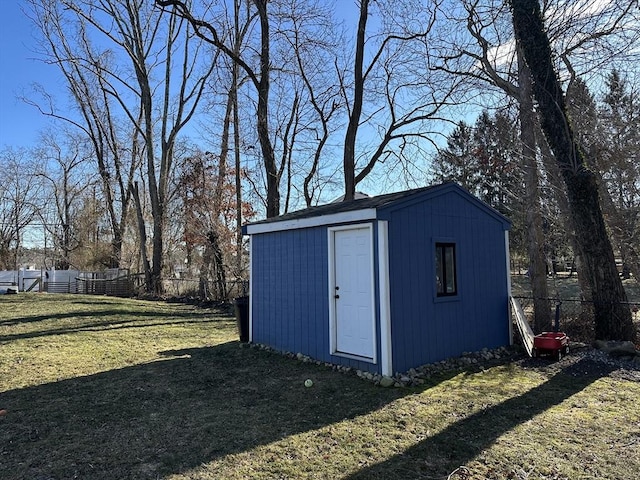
(331, 219)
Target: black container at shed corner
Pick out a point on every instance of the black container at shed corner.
(241, 307)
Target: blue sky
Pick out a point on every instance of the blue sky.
(20, 123)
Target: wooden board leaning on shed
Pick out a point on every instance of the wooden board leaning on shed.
(523, 326)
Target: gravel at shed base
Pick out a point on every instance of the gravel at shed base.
(582, 360)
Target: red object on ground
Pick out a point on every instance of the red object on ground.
(551, 343)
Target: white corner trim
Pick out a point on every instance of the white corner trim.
(386, 359)
(332, 219)
(250, 290)
(508, 259)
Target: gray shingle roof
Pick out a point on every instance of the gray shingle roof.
(387, 202)
(340, 207)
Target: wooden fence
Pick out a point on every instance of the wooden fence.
(96, 283)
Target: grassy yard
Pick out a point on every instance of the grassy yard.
(566, 287)
(574, 319)
(101, 388)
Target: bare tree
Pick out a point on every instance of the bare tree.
(204, 182)
(396, 91)
(233, 94)
(533, 216)
(302, 98)
(66, 43)
(487, 56)
(64, 172)
(157, 92)
(476, 57)
(323, 97)
(359, 76)
(608, 134)
(589, 36)
(260, 78)
(20, 202)
(612, 315)
(305, 96)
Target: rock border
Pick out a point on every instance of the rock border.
(615, 359)
(414, 376)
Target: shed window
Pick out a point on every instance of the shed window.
(446, 284)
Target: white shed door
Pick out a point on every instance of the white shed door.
(354, 292)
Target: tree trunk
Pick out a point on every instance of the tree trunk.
(349, 158)
(273, 182)
(236, 143)
(238, 180)
(203, 277)
(218, 264)
(212, 266)
(158, 246)
(533, 216)
(565, 214)
(142, 232)
(613, 319)
(116, 249)
(612, 315)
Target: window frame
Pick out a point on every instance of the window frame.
(440, 252)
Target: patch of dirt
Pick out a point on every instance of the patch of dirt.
(589, 362)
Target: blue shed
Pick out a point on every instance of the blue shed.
(382, 284)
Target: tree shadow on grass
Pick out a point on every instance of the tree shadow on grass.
(172, 415)
(138, 321)
(139, 315)
(466, 439)
(198, 405)
(108, 319)
(102, 308)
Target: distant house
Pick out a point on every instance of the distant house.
(382, 284)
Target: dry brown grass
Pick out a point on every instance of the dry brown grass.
(99, 388)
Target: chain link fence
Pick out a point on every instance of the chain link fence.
(206, 291)
(574, 317)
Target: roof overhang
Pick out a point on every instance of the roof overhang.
(331, 219)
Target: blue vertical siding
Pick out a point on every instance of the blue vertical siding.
(426, 329)
(289, 289)
(290, 300)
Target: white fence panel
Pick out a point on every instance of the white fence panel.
(59, 281)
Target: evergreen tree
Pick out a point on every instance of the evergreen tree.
(583, 111)
(458, 162)
(619, 167)
(620, 159)
(495, 141)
